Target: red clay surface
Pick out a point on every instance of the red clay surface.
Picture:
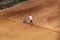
(46, 21)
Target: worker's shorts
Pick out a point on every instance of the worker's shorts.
(30, 21)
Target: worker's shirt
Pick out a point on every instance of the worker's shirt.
(30, 17)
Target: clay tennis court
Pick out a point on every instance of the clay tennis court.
(46, 21)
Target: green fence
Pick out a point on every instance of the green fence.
(11, 4)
